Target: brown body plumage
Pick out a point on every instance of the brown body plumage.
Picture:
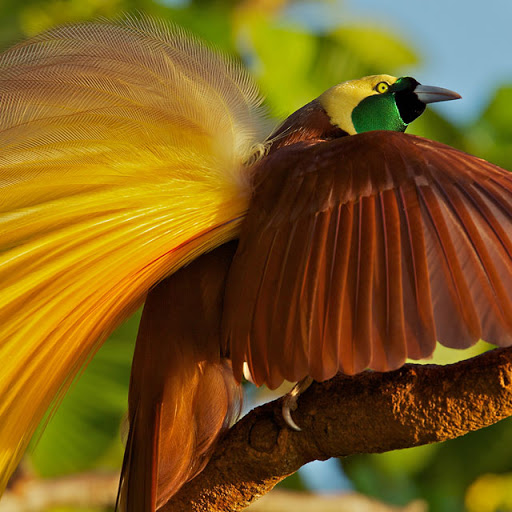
(357, 252)
(182, 391)
(362, 252)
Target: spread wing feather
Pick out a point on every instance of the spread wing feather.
(375, 246)
(122, 149)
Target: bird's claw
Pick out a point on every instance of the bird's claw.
(290, 402)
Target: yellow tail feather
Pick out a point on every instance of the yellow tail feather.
(122, 159)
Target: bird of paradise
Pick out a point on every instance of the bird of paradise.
(129, 150)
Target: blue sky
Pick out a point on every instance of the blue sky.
(466, 45)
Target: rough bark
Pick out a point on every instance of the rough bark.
(369, 413)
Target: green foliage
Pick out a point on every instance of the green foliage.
(262, 39)
(490, 493)
(432, 126)
(315, 61)
(85, 429)
(370, 50)
(42, 16)
(490, 136)
(439, 473)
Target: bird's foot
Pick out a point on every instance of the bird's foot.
(247, 373)
(290, 401)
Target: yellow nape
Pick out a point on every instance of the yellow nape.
(122, 159)
(339, 101)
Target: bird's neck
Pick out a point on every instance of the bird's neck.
(309, 123)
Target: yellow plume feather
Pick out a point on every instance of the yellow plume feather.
(122, 150)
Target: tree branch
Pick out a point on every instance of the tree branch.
(368, 413)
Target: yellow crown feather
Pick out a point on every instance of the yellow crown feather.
(121, 159)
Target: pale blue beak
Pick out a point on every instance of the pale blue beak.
(429, 94)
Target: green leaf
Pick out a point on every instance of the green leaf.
(88, 420)
(355, 51)
(376, 48)
(432, 126)
(281, 57)
(490, 137)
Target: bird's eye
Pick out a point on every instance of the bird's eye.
(382, 87)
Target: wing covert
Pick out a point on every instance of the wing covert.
(363, 251)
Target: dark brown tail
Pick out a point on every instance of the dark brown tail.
(182, 393)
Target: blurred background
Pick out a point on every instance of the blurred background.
(296, 50)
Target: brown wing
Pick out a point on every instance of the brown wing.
(361, 252)
(182, 393)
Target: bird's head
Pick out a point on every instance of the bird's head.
(379, 102)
